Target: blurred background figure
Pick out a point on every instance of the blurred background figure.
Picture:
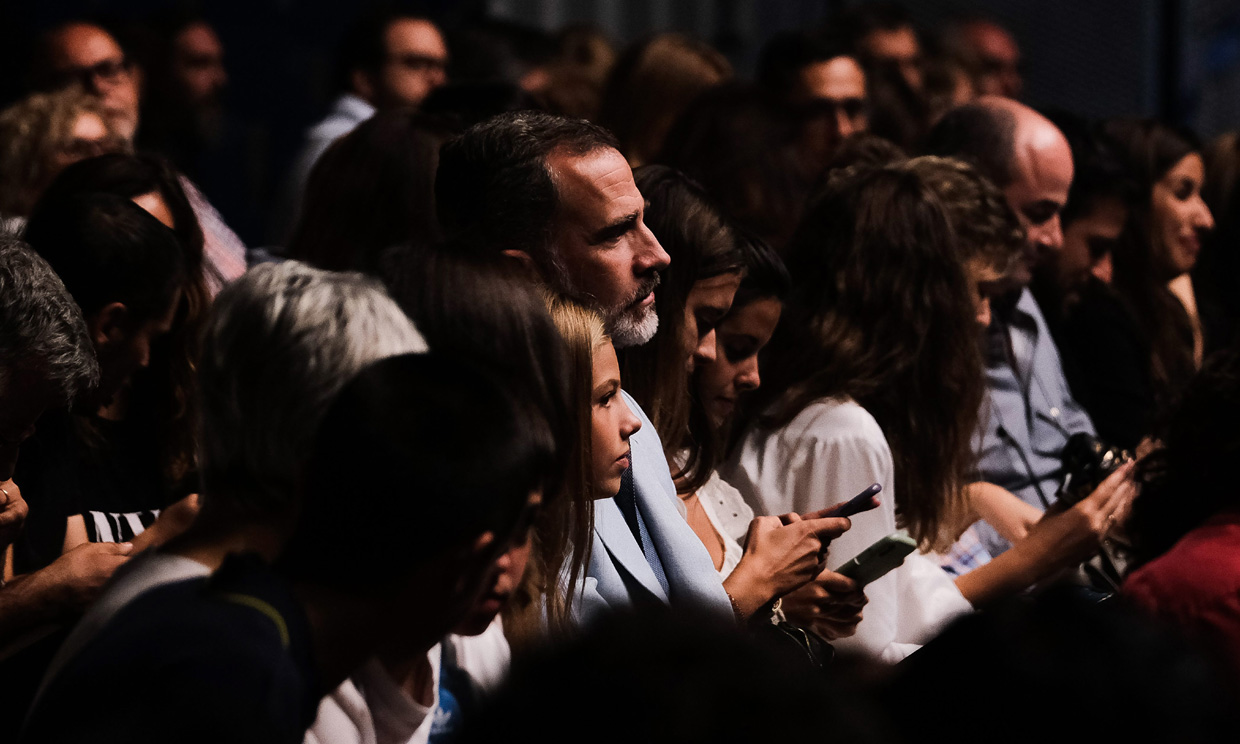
(387, 60)
(41, 136)
(992, 54)
(651, 84)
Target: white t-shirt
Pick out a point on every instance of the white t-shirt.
(829, 453)
(371, 708)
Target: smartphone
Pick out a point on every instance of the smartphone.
(863, 501)
(876, 561)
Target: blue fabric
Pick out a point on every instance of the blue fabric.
(627, 501)
(1029, 412)
(619, 574)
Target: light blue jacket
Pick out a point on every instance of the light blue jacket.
(618, 575)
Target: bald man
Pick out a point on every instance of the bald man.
(1029, 412)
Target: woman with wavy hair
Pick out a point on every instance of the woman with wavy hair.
(875, 375)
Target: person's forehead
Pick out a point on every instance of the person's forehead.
(996, 43)
(895, 42)
(1043, 164)
(594, 187)
(414, 36)
(89, 126)
(82, 45)
(199, 38)
(840, 77)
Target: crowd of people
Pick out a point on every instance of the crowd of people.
(553, 408)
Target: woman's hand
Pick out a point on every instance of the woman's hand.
(781, 554)
(830, 605)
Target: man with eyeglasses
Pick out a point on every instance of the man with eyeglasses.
(818, 77)
(387, 60)
(86, 54)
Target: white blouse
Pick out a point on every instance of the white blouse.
(829, 453)
(729, 515)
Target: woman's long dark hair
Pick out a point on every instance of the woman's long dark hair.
(1150, 149)
(171, 398)
(372, 190)
(701, 245)
(1189, 478)
(881, 312)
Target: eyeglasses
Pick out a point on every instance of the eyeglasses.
(108, 71)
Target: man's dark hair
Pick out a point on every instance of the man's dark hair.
(494, 190)
(364, 46)
(982, 136)
(787, 53)
(431, 452)
(1099, 173)
(107, 249)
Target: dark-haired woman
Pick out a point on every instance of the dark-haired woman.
(1160, 246)
(875, 376)
(696, 293)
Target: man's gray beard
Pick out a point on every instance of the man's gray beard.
(633, 328)
(629, 326)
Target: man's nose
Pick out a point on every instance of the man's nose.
(650, 256)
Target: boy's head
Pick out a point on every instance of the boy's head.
(124, 269)
(425, 471)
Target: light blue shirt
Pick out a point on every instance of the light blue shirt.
(1028, 414)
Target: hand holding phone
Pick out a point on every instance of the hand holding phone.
(880, 558)
(862, 502)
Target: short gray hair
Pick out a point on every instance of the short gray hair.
(280, 343)
(41, 328)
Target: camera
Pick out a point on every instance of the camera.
(1087, 461)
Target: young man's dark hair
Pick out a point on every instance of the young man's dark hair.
(787, 53)
(1099, 173)
(107, 249)
(445, 453)
(494, 189)
(982, 136)
(364, 46)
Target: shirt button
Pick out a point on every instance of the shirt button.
(1054, 413)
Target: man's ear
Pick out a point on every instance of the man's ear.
(363, 86)
(108, 325)
(521, 257)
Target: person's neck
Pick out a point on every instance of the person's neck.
(210, 540)
(346, 629)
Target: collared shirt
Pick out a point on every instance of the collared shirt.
(1029, 412)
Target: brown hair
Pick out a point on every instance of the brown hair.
(651, 84)
(701, 245)
(1150, 149)
(880, 312)
(986, 227)
(478, 307)
(32, 131)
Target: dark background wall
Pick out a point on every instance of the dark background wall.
(1179, 59)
